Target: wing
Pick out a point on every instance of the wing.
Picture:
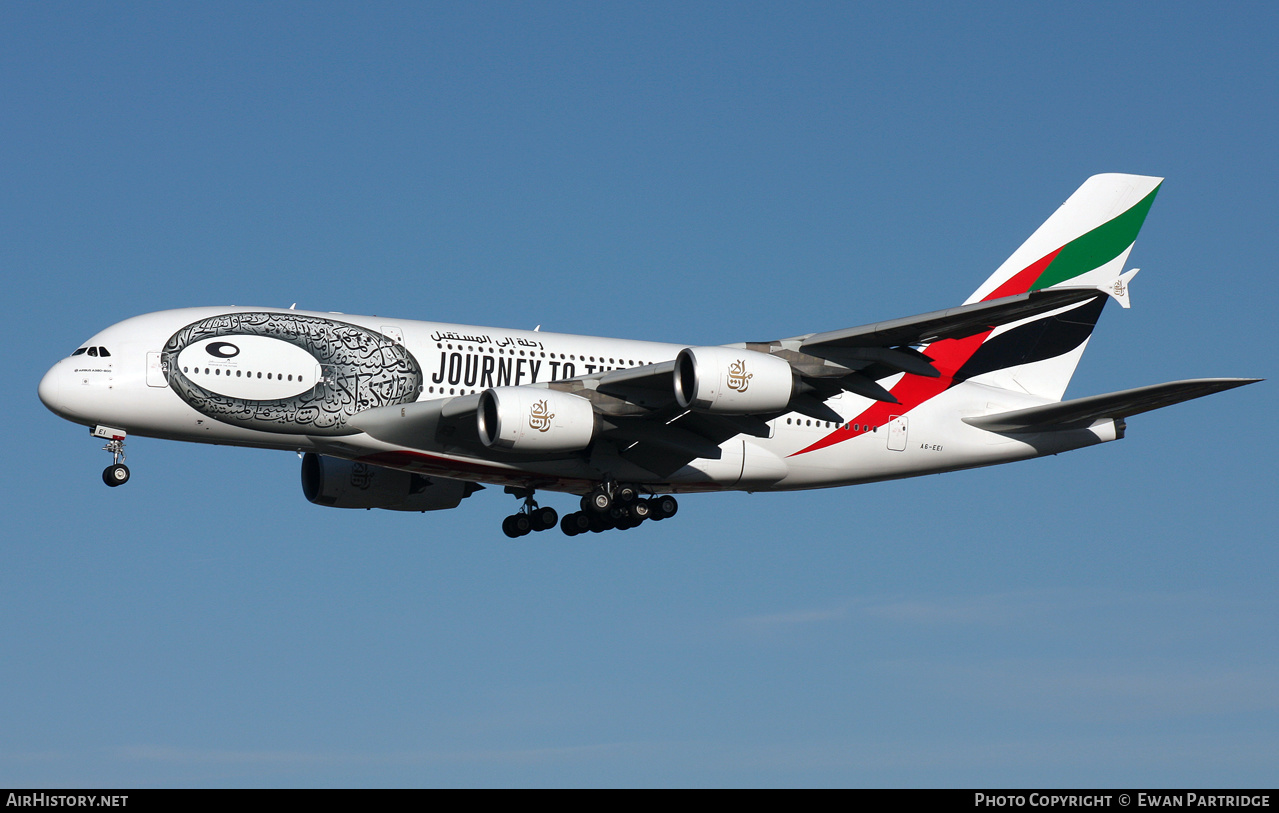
(638, 412)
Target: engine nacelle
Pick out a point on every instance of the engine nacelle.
(732, 382)
(534, 419)
(341, 483)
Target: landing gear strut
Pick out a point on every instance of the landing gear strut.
(607, 507)
(616, 506)
(117, 474)
(530, 517)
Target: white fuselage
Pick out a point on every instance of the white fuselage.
(236, 392)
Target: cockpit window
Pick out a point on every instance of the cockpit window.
(79, 351)
(93, 351)
(102, 351)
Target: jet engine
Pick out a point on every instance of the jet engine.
(533, 419)
(732, 382)
(341, 483)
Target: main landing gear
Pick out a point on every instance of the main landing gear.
(117, 474)
(607, 507)
(612, 506)
(530, 517)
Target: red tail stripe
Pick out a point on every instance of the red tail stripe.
(1020, 282)
(948, 356)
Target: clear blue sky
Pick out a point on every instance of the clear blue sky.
(702, 173)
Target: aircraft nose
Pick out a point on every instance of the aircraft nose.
(53, 390)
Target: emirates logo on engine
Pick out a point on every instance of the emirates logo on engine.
(539, 416)
(361, 476)
(738, 378)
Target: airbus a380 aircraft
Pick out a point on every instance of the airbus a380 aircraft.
(413, 416)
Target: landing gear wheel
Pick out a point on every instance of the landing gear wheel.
(530, 517)
(664, 506)
(578, 522)
(598, 501)
(600, 523)
(516, 525)
(641, 509)
(117, 474)
(544, 518)
(626, 494)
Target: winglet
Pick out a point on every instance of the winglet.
(1118, 288)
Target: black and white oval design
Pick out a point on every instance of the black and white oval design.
(263, 368)
(222, 350)
(282, 372)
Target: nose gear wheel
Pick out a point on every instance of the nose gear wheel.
(117, 474)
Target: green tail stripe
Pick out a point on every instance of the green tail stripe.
(1097, 247)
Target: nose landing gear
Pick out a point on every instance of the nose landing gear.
(117, 474)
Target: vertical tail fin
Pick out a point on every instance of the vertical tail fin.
(1085, 242)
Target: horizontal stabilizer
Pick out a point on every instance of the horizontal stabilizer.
(1084, 411)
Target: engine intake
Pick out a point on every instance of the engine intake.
(341, 483)
(732, 382)
(534, 419)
